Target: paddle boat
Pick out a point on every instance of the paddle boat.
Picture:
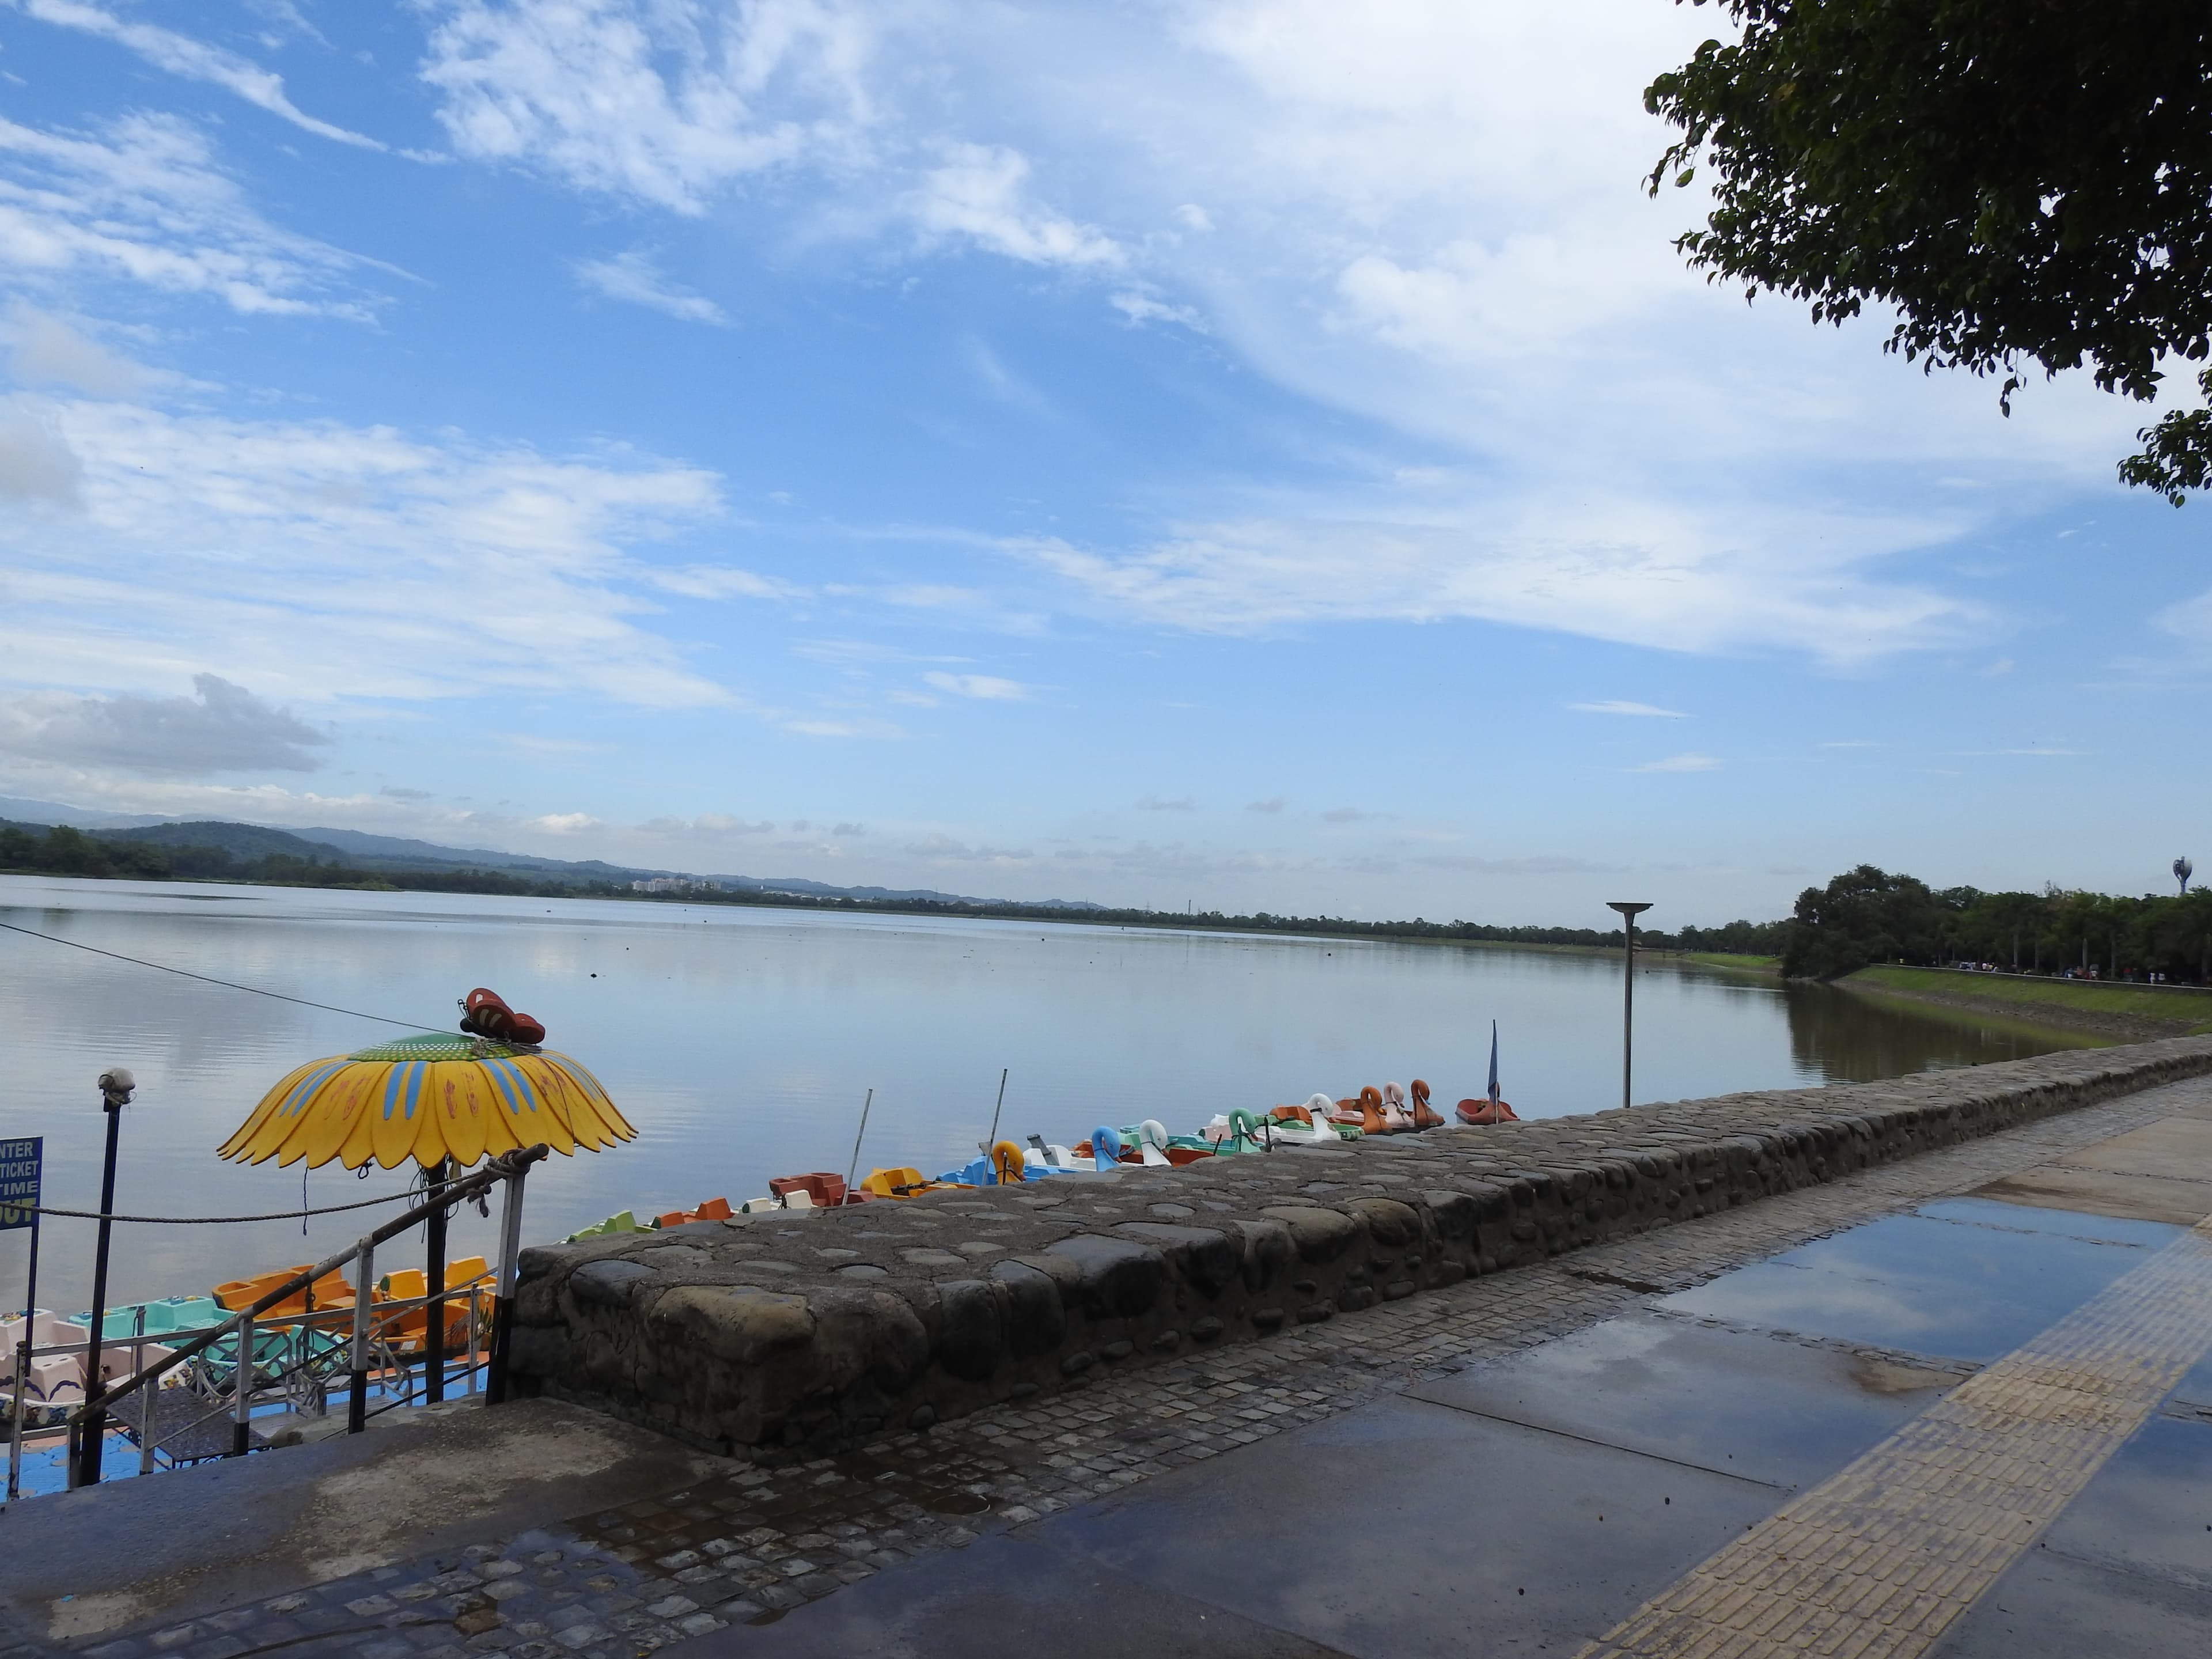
(54, 1384)
(1310, 1123)
(712, 1209)
(1424, 1115)
(1492, 1109)
(621, 1222)
(1485, 1111)
(904, 1182)
(825, 1189)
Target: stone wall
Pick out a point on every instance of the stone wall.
(791, 1333)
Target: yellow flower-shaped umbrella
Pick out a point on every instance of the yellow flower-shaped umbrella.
(424, 1099)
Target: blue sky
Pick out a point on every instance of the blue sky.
(1265, 454)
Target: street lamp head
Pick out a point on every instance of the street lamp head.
(116, 1084)
(1630, 910)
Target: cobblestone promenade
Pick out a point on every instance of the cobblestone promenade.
(750, 1542)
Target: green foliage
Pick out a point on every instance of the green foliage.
(2024, 181)
(1866, 916)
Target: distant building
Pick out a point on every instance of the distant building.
(664, 884)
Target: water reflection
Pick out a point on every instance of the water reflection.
(740, 1042)
(1841, 1036)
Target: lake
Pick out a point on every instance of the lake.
(740, 1042)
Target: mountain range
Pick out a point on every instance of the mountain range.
(362, 850)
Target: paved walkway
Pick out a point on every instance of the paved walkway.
(1418, 1477)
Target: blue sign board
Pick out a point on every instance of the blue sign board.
(19, 1180)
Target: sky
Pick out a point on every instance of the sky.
(1261, 454)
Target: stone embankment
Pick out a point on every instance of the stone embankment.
(788, 1334)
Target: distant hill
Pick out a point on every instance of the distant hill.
(399, 856)
(44, 814)
(240, 841)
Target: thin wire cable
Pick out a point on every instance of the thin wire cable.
(228, 984)
(12, 1207)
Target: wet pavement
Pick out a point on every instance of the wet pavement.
(1618, 1490)
(1529, 1462)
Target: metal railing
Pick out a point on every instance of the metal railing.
(376, 1346)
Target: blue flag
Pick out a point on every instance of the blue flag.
(1494, 1060)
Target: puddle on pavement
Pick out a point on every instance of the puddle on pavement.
(1736, 1402)
(1964, 1278)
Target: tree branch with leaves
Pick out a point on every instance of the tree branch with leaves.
(2025, 183)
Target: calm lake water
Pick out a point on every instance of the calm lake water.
(740, 1042)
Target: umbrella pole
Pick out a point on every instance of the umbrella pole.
(992, 1139)
(853, 1168)
(434, 1336)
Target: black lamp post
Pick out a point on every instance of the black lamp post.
(1629, 912)
(115, 1087)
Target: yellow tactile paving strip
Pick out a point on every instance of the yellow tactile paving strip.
(1875, 1563)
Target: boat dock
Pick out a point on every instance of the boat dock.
(1953, 1401)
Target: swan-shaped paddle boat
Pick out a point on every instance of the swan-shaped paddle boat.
(1425, 1116)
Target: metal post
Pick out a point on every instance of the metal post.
(146, 1398)
(502, 1305)
(468, 1362)
(114, 1092)
(364, 1282)
(853, 1168)
(241, 1388)
(1629, 912)
(15, 1429)
(433, 1335)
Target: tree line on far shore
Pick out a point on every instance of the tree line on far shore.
(65, 851)
(1863, 917)
(1868, 915)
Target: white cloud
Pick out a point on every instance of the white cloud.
(194, 60)
(36, 463)
(44, 347)
(720, 581)
(1178, 803)
(144, 200)
(1638, 573)
(981, 193)
(1141, 309)
(985, 688)
(634, 279)
(222, 728)
(670, 102)
(1681, 763)
(1641, 710)
(315, 560)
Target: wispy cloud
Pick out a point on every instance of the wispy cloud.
(667, 103)
(382, 565)
(721, 581)
(1681, 763)
(634, 278)
(1272, 803)
(981, 194)
(1167, 804)
(1648, 711)
(142, 199)
(194, 60)
(984, 688)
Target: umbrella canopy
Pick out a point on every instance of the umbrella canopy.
(426, 1099)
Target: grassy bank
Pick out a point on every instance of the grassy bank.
(1741, 963)
(2126, 1010)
